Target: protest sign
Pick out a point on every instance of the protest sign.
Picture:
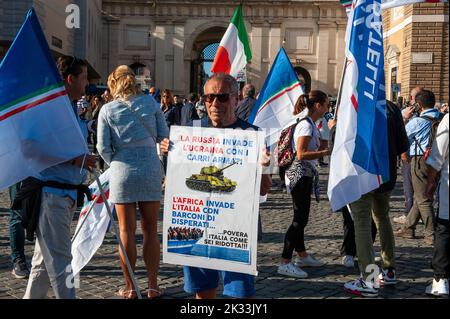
(212, 198)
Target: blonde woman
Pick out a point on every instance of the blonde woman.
(128, 129)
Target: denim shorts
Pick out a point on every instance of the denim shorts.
(235, 285)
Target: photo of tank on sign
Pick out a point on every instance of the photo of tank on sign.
(211, 179)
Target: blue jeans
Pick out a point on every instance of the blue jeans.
(16, 231)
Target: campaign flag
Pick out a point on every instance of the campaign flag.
(38, 127)
(234, 50)
(275, 105)
(359, 162)
(388, 4)
(92, 227)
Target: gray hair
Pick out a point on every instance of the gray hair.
(223, 77)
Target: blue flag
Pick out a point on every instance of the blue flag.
(275, 105)
(38, 127)
(366, 46)
(360, 159)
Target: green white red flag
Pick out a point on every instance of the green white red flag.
(234, 50)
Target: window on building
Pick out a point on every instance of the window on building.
(207, 57)
(397, 13)
(56, 42)
(137, 36)
(394, 85)
(139, 69)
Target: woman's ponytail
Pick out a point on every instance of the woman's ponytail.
(301, 104)
(309, 100)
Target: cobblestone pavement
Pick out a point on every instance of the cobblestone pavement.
(103, 276)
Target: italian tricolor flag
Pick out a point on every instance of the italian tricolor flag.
(234, 50)
(346, 3)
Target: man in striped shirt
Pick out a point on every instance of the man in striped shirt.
(418, 130)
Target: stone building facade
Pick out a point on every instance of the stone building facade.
(83, 42)
(416, 42)
(165, 42)
(51, 15)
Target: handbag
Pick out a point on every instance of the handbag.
(139, 118)
(299, 169)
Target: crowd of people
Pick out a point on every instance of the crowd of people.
(127, 126)
(183, 233)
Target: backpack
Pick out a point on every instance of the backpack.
(286, 154)
(434, 123)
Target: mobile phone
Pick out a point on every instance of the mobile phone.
(416, 108)
(328, 116)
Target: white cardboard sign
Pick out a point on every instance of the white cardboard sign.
(211, 199)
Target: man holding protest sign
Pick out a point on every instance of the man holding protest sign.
(221, 95)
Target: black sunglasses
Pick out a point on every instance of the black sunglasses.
(222, 97)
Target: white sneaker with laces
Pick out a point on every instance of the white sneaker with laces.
(438, 288)
(360, 287)
(387, 277)
(308, 261)
(291, 270)
(348, 261)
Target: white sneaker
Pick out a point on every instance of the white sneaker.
(291, 270)
(308, 261)
(387, 277)
(438, 288)
(359, 287)
(400, 219)
(348, 261)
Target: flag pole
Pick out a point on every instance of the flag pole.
(86, 216)
(116, 232)
(338, 100)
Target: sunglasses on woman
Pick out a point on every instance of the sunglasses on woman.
(222, 97)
